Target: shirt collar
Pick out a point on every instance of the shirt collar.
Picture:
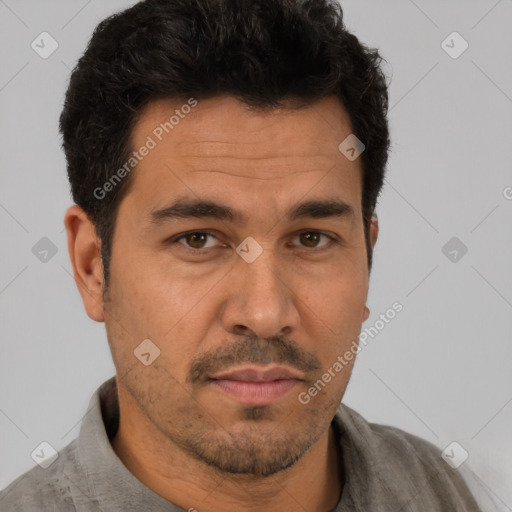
(102, 466)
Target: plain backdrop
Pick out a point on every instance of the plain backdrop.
(440, 369)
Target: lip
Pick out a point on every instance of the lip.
(253, 386)
(255, 374)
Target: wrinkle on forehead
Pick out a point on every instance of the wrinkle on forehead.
(255, 177)
(220, 140)
(226, 121)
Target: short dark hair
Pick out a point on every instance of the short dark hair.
(262, 52)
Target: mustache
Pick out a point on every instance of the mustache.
(251, 349)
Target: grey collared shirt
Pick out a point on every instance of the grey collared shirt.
(386, 469)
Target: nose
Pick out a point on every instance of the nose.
(260, 298)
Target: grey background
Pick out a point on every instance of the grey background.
(440, 369)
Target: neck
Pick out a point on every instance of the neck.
(313, 483)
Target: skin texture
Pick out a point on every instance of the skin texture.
(301, 303)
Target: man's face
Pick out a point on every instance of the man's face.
(211, 310)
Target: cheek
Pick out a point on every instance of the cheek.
(333, 312)
(338, 296)
(149, 301)
(141, 285)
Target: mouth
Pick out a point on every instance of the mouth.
(252, 385)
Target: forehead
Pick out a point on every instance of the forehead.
(221, 120)
(220, 148)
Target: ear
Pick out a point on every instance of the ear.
(84, 253)
(374, 233)
(374, 229)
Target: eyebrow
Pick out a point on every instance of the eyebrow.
(205, 209)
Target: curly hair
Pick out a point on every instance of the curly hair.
(262, 52)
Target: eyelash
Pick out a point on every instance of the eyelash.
(204, 251)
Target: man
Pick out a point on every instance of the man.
(225, 158)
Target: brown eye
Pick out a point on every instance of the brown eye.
(196, 240)
(311, 239)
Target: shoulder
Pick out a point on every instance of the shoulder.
(403, 446)
(409, 452)
(44, 489)
(422, 460)
(402, 465)
(385, 442)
